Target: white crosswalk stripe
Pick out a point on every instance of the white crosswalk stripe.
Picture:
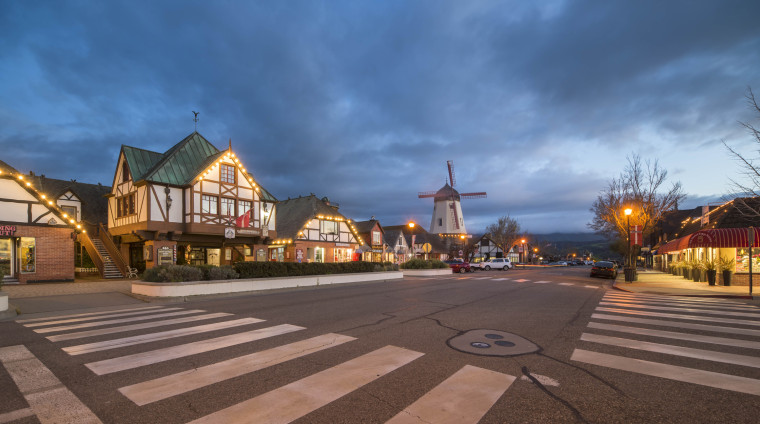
(90, 314)
(88, 317)
(541, 282)
(726, 317)
(464, 397)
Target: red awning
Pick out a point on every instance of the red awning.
(723, 237)
(671, 246)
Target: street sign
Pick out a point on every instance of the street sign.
(461, 253)
(427, 247)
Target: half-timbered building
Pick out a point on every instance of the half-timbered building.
(40, 219)
(372, 232)
(310, 229)
(192, 204)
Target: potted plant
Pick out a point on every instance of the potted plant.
(710, 266)
(727, 266)
(686, 268)
(696, 270)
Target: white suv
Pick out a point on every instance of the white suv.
(497, 263)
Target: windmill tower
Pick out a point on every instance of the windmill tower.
(447, 210)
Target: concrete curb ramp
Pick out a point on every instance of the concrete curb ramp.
(196, 288)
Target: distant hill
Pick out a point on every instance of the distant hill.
(563, 244)
(579, 237)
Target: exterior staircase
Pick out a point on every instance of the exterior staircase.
(7, 279)
(110, 270)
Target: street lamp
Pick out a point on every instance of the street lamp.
(628, 276)
(522, 258)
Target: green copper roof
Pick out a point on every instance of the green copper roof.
(179, 165)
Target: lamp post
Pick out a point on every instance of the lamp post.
(522, 257)
(628, 273)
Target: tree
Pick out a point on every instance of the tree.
(639, 187)
(750, 167)
(505, 233)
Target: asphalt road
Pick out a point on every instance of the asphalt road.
(403, 355)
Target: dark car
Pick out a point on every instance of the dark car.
(459, 266)
(604, 269)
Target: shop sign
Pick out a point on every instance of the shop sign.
(342, 245)
(377, 250)
(229, 232)
(7, 230)
(299, 255)
(165, 255)
(250, 232)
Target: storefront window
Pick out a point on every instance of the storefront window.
(261, 255)
(342, 255)
(319, 254)
(743, 258)
(5, 257)
(28, 255)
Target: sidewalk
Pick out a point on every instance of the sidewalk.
(655, 282)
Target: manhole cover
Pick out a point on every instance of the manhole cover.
(492, 343)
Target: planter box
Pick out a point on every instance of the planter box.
(426, 272)
(198, 288)
(3, 302)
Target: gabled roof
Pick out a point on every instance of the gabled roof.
(364, 227)
(293, 214)
(391, 237)
(92, 196)
(733, 214)
(421, 237)
(140, 160)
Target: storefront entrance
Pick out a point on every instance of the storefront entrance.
(205, 256)
(6, 258)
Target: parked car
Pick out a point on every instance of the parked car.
(459, 266)
(560, 263)
(604, 269)
(497, 263)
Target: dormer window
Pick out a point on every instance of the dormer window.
(125, 172)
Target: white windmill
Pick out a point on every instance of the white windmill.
(447, 210)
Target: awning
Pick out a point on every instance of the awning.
(723, 237)
(715, 237)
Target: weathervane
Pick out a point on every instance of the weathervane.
(195, 119)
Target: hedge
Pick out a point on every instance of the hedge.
(423, 264)
(180, 273)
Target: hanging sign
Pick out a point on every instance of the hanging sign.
(229, 232)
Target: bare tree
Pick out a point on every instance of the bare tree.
(750, 167)
(505, 233)
(639, 187)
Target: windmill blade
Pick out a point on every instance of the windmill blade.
(426, 194)
(452, 180)
(453, 206)
(478, 195)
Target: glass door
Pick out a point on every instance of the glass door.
(6, 257)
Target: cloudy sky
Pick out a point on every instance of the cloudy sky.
(537, 103)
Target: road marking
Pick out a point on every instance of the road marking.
(462, 278)
(50, 400)
(463, 398)
(590, 286)
(501, 279)
(670, 372)
(21, 321)
(161, 355)
(175, 384)
(694, 300)
(544, 380)
(676, 316)
(541, 282)
(682, 309)
(147, 338)
(691, 326)
(566, 284)
(114, 321)
(678, 336)
(730, 307)
(16, 415)
(688, 352)
(301, 397)
(521, 281)
(88, 318)
(113, 330)
(482, 278)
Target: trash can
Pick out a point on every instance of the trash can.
(630, 274)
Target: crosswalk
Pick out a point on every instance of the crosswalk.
(657, 324)
(463, 397)
(512, 280)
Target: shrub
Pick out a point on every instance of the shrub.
(290, 269)
(726, 264)
(224, 272)
(206, 270)
(172, 273)
(423, 264)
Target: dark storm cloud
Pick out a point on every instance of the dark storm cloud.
(364, 102)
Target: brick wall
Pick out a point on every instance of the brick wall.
(55, 254)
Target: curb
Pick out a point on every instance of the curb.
(717, 296)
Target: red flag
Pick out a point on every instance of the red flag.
(635, 237)
(244, 220)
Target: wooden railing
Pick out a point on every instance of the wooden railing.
(113, 251)
(84, 239)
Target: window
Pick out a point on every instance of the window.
(401, 241)
(124, 205)
(243, 207)
(70, 211)
(440, 222)
(328, 227)
(209, 204)
(228, 174)
(28, 255)
(124, 172)
(228, 207)
(377, 238)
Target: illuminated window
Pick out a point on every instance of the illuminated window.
(228, 207)
(328, 227)
(377, 238)
(209, 204)
(228, 174)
